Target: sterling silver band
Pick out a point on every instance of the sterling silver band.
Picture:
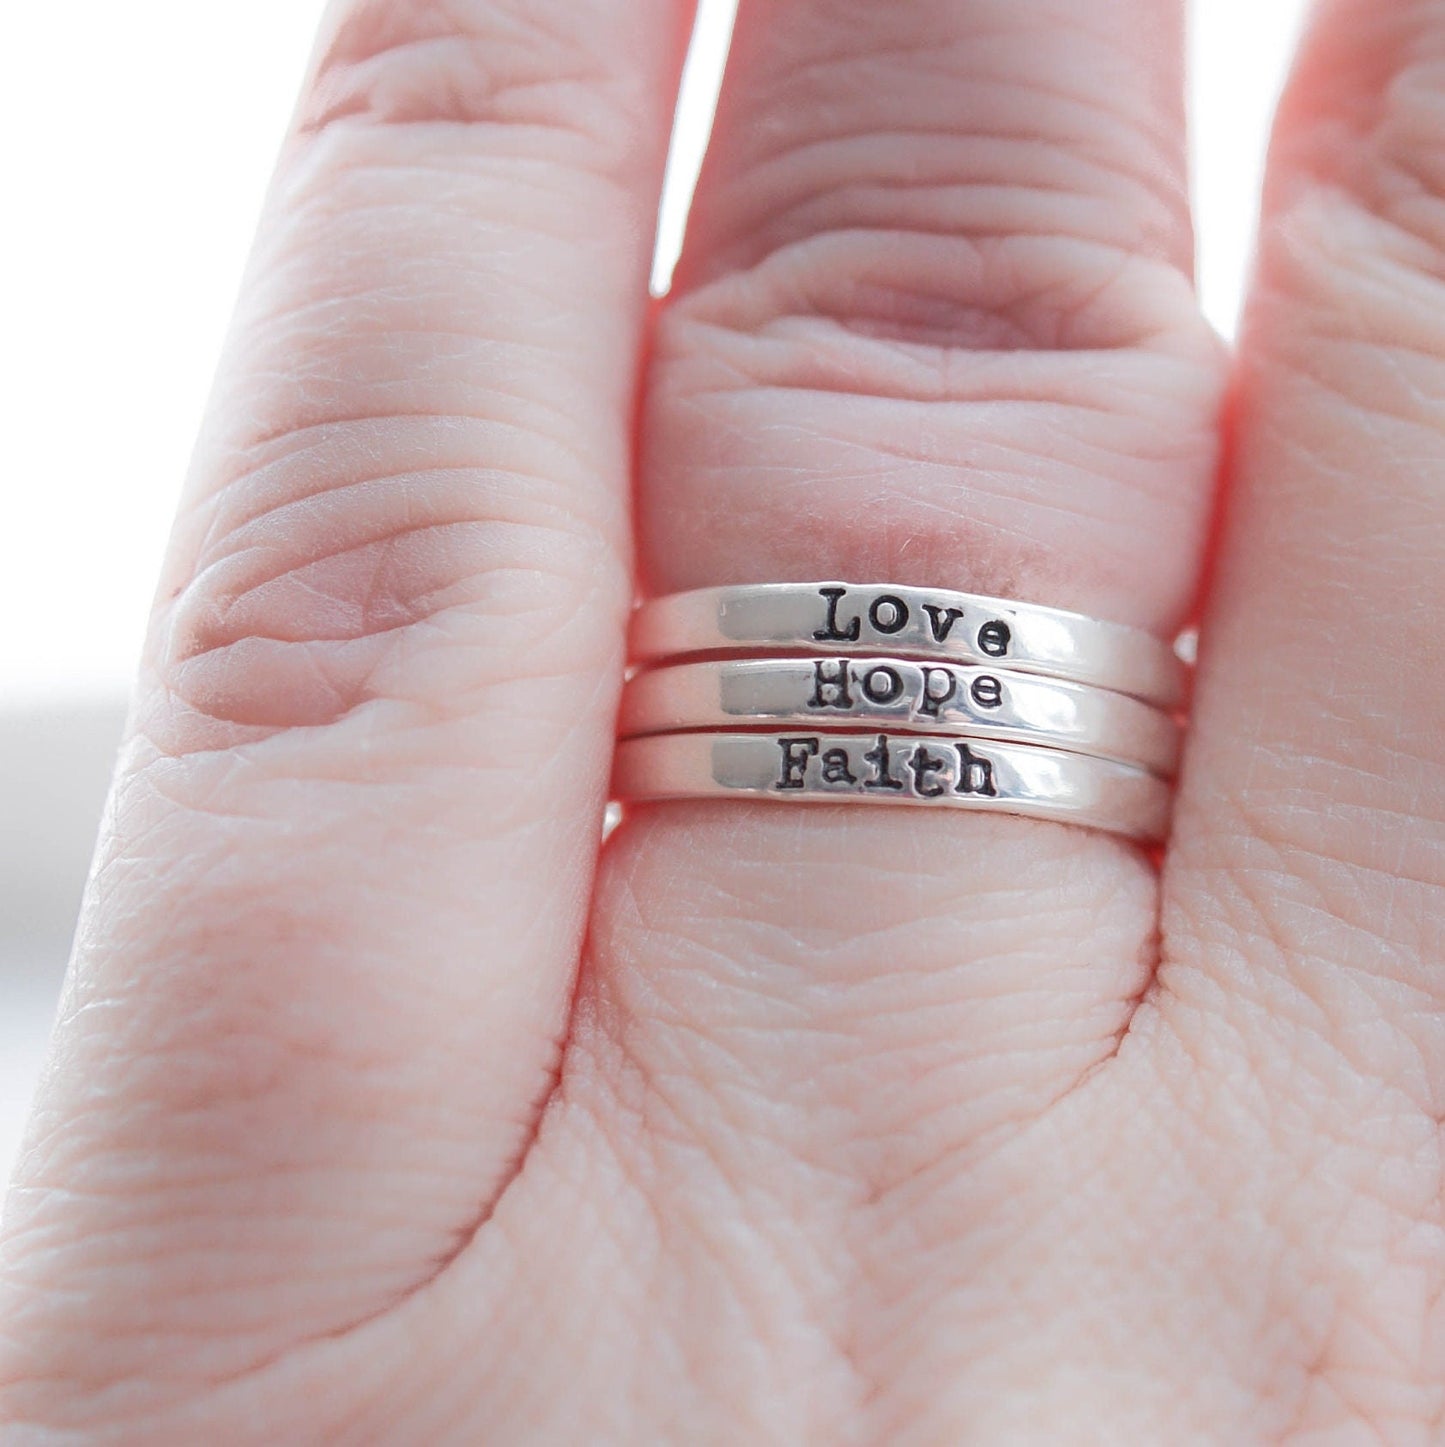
(926, 771)
(836, 692)
(853, 618)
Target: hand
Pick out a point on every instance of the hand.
(879, 1129)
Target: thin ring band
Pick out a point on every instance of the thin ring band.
(926, 771)
(832, 692)
(854, 618)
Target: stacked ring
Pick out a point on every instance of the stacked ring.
(914, 622)
(889, 694)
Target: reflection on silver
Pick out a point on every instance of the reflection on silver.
(919, 623)
(836, 692)
(922, 770)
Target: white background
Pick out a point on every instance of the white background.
(136, 141)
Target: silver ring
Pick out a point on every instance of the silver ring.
(853, 618)
(834, 691)
(927, 771)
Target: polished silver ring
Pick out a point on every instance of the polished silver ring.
(923, 770)
(921, 623)
(881, 692)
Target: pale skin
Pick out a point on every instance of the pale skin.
(387, 1106)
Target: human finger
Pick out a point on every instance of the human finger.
(1305, 897)
(936, 327)
(325, 964)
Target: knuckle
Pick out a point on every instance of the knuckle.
(939, 294)
(938, 311)
(954, 128)
(992, 400)
(537, 68)
(319, 584)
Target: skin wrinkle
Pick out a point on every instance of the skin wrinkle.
(397, 1299)
(367, 608)
(898, 450)
(781, 1264)
(958, 210)
(810, 1022)
(1108, 299)
(482, 457)
(1352, 102)
(990, 122)
(1088, 433)
(977, 379)
(1265, 818)
(413, 508)
(813, 158)
(1348, 271)
(262, 631)
(1363, 300)
(874, 381)
(282, 323)
(1257, 920)
(231, 752)
(882, 57)
(359, 98)
(251, 485)
(1375, 412)
(1233, 1140)
(1293, 1140)
(201, 651)
(367, 75)
(1326, 1373)
(940, 1289)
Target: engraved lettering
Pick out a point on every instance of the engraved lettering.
(830, 632)
(882, 684)
(796, 753)
(888, 614)
(941, 620)
(830, 684)
(987, 691)
(835, 768)
(925, 766)
(933, 700)
(994, 638)
(975, 774)
(881, 760)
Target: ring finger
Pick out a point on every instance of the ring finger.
(934, 325)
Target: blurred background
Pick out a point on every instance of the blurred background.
(137, 140)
